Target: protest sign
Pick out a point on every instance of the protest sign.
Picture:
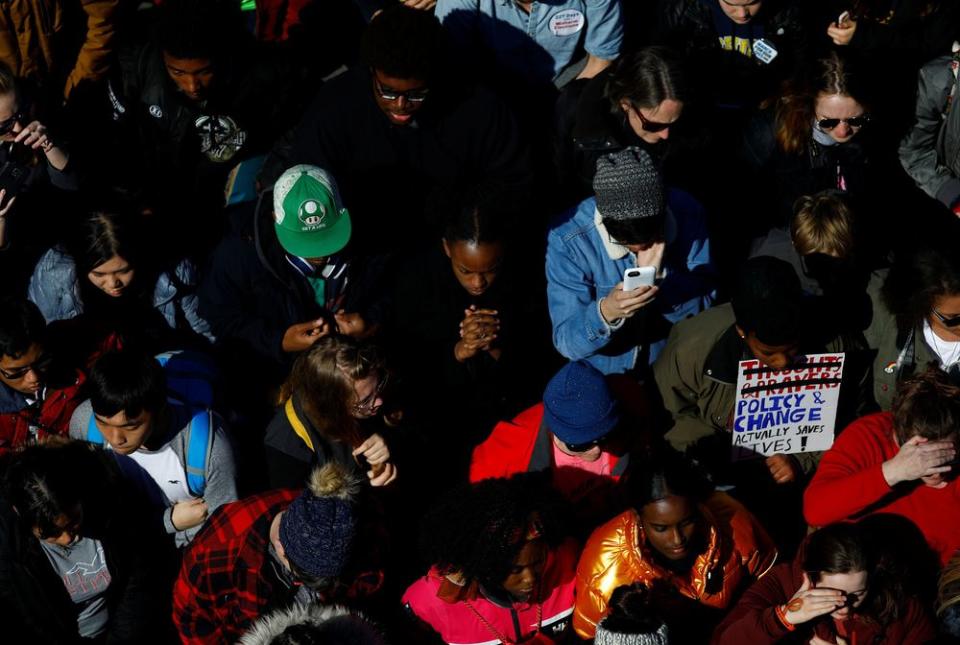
(787, 411)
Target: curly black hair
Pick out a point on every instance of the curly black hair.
(478, 530)
(404, 43)
(917, 279)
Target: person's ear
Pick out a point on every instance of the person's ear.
(447, 249)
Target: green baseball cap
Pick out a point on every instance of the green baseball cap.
(309, 217)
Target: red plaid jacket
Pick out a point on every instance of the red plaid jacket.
(220, 591)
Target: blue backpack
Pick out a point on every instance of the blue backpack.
(190, 383)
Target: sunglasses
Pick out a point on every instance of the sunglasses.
(413, 96)
(650, 126)
(40, 365)
(584, 447)
(8, 125)
(853, 122)
(951, 322)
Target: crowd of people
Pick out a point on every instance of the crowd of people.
(420, 321)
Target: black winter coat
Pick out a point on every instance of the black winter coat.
(384, 171)
(251, 294)
(730, 78)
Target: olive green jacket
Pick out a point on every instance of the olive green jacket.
(697, 377)
(898, 353)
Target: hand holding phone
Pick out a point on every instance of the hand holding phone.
(636, 277)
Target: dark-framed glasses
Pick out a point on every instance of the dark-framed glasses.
(368, 403)
(41, 365)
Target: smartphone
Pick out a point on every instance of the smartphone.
(843, 18)
(636, 277)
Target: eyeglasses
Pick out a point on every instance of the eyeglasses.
(583, 447)
(952, 321)
(7, 125)
(369, 402)
(853, 122)
(648, 125)
(40, 365)
(413, 96)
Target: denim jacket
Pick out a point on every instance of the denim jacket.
(584, 264)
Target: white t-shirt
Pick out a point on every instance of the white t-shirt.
(165, 469)
(947, 351)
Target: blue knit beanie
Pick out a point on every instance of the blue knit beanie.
(317, 529)
(577, 404)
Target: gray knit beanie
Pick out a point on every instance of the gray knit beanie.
(628, 186)
(605, 637)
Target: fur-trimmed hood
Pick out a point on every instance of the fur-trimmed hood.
(338, 625)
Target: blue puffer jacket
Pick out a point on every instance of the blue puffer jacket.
(55, 290)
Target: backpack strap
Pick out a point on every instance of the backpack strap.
(190, 377)
(297, 424)
(199, 444)
(93, 432)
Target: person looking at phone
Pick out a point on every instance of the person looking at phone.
(836, 591)
(331, 412)
(632, 221)
(901, 462)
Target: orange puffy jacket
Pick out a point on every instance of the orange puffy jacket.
(738, 549)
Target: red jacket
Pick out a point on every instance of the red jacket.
(522, 445)
(50, 418)
(849, 483)
(526, 445)
(754, 621)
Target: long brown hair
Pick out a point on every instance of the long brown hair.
(834, 75)
(322, 380)
(843, 548)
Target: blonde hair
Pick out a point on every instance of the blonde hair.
(323, 380)
(823, 223)
(795, 110)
